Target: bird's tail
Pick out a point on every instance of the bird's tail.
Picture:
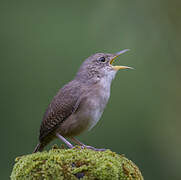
(43, 142)
(39, 147)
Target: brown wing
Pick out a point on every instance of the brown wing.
(61, 107)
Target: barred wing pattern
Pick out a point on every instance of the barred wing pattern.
(61, 107)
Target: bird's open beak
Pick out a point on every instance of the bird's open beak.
(119, 67)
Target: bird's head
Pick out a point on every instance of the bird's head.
(100, 65)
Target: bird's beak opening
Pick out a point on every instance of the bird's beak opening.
(119, 67)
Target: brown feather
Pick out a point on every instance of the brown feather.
(61, 107)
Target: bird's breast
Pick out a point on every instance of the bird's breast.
(93, 106)
(89, 111)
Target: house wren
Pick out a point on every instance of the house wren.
(78, 105)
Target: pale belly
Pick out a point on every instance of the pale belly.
(89, 110)
(85, 118)
(91, 116)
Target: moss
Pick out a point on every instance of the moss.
(76, 163)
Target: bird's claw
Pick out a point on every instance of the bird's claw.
(93, 148)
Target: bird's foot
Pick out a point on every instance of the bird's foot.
(93, 148)
(83, 146)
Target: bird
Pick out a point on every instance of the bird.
(78, 105)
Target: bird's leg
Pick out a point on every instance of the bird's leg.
(64, 140)
(85, 146)
(77, 142)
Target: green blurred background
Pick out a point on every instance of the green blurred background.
(43, 43)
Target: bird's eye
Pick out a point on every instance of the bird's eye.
(102, 59)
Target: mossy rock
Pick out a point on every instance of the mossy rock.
(73, 164)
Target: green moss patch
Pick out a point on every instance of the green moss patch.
(73, 164)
